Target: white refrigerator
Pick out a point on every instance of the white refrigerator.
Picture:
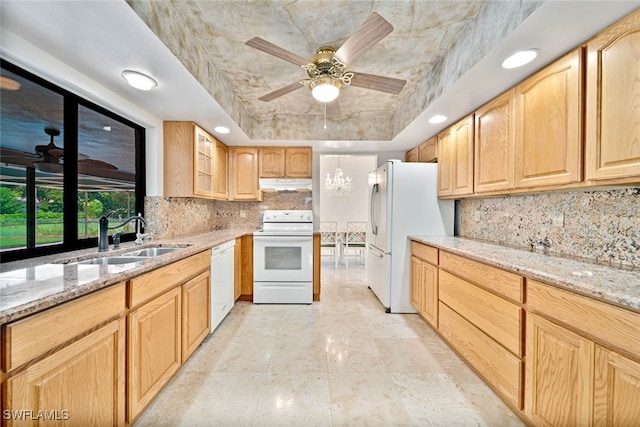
(403, 201)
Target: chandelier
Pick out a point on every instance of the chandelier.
(339, 185)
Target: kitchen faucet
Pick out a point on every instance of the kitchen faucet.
(103, 234)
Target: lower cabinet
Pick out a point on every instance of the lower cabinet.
(616, 399)
(424, 282)
(155, 348)
(82, 384)
(196, 314)
(559, 369)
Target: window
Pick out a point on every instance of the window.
(65, 162)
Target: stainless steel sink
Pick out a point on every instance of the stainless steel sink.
(109, 260)
(152, 252)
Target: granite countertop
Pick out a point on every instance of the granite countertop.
(33, 285)
(609, 284)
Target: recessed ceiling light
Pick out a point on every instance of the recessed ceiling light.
(519, 59)
(221, 129)
(438, 118)
(139, 80)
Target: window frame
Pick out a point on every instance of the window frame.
(70, 241)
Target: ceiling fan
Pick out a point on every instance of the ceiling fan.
(326, 69)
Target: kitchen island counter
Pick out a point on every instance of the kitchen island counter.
(613, 285)
(33, 285)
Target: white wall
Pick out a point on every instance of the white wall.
(352, 207)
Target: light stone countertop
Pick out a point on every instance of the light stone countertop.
(33, 285)
(617, 286)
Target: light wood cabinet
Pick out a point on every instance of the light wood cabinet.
(196, 313)
(424, 282)
(154, 350)
(559, 370)
(455, 163)
(412, 155)
(237, 268)
(494, 145)
(613, 109)
(189, 153)
(221, 173)
(82, 384)
(243, 174)
(427, 151)
(285, 162)
(583, 360)
(446, 163)
(616, 389)
(548, 150)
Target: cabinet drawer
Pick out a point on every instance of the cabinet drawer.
(29, 338)
(496, 317)
(500, 369)
(154, 283)
(497, 280)
(424, 252)
(605, 322)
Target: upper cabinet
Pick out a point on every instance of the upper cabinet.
(613, 103)
(549, 125)
(455, 171)
(191, 168)
(413, 155)
(221, 173)
(494, 144)
(285, 162)
(427, 151)
(243, 174)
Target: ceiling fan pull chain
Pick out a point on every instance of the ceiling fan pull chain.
(325, 115)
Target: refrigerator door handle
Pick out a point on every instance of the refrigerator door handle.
(372, 210)
(375, 251)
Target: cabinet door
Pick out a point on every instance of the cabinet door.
(82, 383)
(237, 268)
(196, 313)
(617, 390)
(549, 125)
(272, 162)
(203, 163)
(429, 276)
(462, 137)
(446, 163)
(243, 176)
(613, 106)
(494, 144)
(559, 371)
(427, 151)
(221, 181)
(155, 349)
(298, 162)
(416, 283)
(412, 155)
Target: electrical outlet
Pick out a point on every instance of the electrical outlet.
(476, 216)
(557, 220)
(243, 214)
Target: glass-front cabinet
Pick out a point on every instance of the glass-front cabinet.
(203, 163)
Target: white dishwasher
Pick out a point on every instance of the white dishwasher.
(222, 281)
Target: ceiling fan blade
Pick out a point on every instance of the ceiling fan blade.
(371, 32)
(277, 51)
(380, 83)
(282, 91)
(333, 108)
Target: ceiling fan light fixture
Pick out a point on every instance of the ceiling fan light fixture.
(520, 58)
(325, 89)
(139, 80)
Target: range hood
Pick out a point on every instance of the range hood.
(284, 184)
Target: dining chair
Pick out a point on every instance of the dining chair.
(329, 238)
(356, 239)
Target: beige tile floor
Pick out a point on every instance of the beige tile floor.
(341, 361)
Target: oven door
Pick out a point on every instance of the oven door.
(282, 258)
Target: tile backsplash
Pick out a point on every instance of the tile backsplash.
(169, 217)
(601, 226)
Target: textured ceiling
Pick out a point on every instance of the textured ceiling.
(209, 38)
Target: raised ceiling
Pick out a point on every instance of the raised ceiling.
(448, 51)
